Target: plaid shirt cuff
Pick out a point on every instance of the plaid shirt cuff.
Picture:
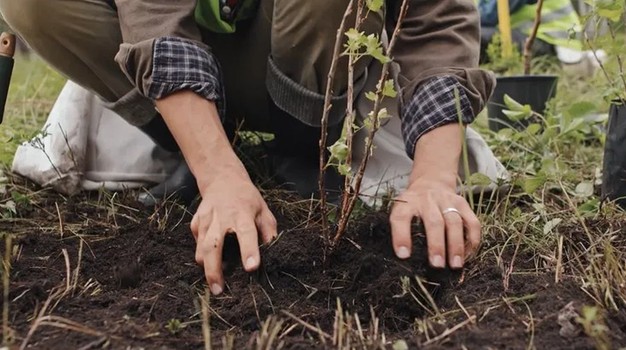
(433, 105)
(181, 64)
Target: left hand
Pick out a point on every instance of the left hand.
(451, 236)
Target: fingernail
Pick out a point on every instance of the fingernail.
(403, 253)
(216, 289)
(250, 263)
(437, 261)
(457, 262)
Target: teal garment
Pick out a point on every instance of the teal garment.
(210, 15)
(489, 10)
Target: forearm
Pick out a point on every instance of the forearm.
(195, 124)
(437, 155)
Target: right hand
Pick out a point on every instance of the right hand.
(231, 204)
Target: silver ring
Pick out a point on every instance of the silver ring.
(450, 210)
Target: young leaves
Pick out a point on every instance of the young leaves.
(516, 111)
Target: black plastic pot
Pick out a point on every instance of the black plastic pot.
(614, 165)
(533, 90)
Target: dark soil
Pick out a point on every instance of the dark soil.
(137, 282)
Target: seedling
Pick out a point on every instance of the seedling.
(358, 46)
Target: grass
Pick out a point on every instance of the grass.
(551, 223)
(34, 88)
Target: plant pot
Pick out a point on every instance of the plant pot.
(533, 90)
(614, 165)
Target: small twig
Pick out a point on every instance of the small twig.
(68, 278)
(40, 317)
(8, 249)
(77, 270)
(559, 261)
(307, 325)
(620, 63)
(431, 301)
(206, 327)
(509, 270)
(64, 323)
(256, 308)
(61, 226)
(528, 46)
(531, 326)
(458, 302)
(449, 331)
(67, 143)
(598, 60)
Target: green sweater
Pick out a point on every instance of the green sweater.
(214, 14)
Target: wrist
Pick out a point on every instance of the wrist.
(436, 157)
(223, 167)
(445, 179)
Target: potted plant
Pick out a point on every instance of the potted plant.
(609, 15)
(527, 89)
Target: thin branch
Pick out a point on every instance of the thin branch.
(528, 47)
(327, 107)
(599, 61)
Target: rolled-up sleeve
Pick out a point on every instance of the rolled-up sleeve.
(162, 51)
(438, 101)
(439, 39)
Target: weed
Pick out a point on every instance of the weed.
(594, 326)
(174, 326)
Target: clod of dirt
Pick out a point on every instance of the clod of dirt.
(129, 276)
(567, 320)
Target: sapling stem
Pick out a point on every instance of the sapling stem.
(620, 63)
(353, 191)
(324, 122)
(528, 47)
(350, 118)
(599, 61)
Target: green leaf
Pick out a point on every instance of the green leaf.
(375, 5)
(389, 89)
(382, 114)
(344, 169)
(513, 105)
(610, 9)
(590, 207)
(370, 95)
(400, 345)
(378, 55)
(354, 34)
(516, 115)
(478, 179)
(533, 183)
(533, 129)
(339, 150)
(551, 225)
(581, 109)
(355, 41)
(584, 189)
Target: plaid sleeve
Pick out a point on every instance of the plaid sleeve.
(182, 64)
(433, 105)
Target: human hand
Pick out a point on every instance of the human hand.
(230, 205)
(444, 215)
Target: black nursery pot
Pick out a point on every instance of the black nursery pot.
(533, 90)
(614, 165)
